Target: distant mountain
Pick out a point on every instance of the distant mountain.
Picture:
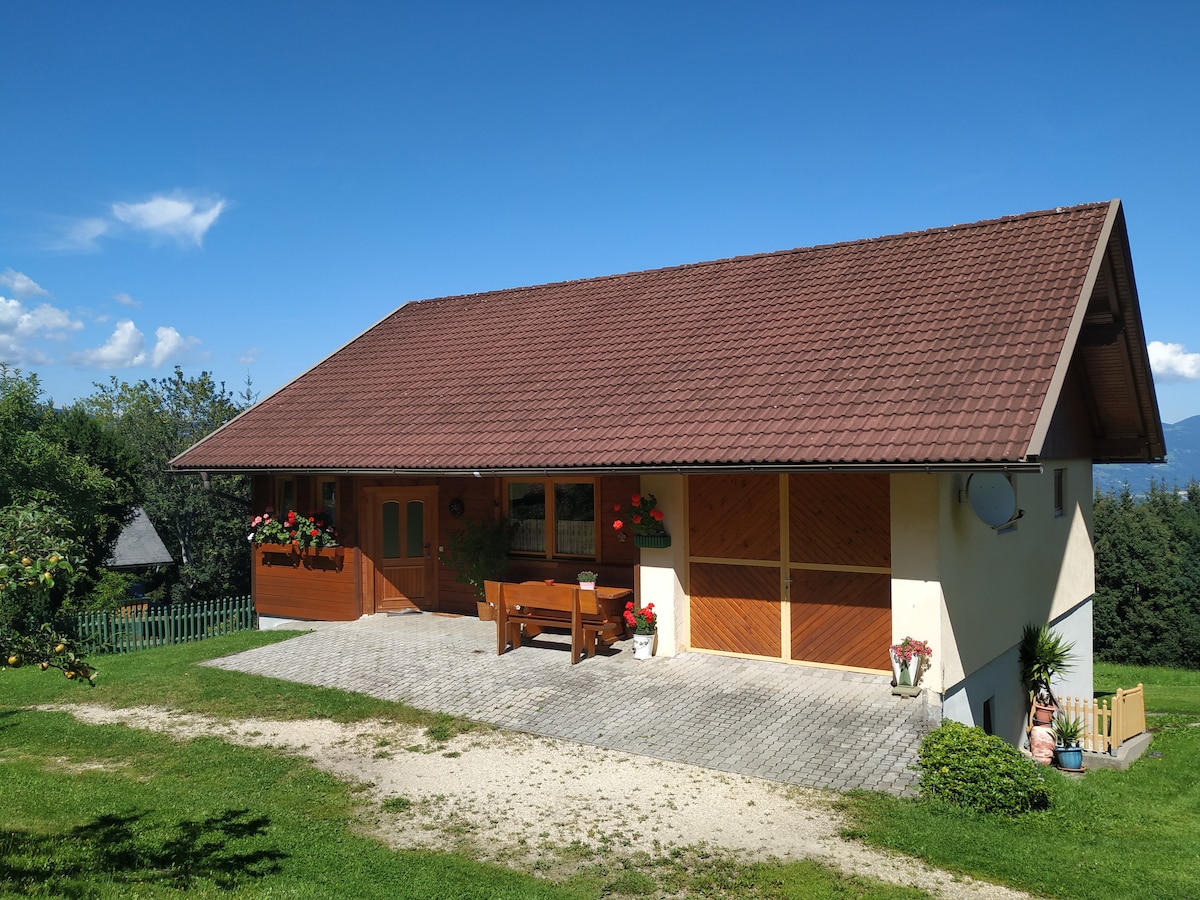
(1182, 465)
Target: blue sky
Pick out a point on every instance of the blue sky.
(243, 187)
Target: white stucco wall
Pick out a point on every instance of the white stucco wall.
(659, 579)
(985, 586)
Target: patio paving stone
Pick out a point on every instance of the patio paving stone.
(794, 724)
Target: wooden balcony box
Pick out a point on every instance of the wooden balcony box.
(316, 583)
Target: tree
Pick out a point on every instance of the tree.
(1147, 606)
(161, 418)
(79, 473)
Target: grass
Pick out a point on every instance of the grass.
(108, 811)
(1109, 835)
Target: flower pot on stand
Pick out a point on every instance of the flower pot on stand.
(643, 646)
(1042, 714)
(587, 585)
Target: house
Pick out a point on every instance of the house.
(810, 421)
(138, 546)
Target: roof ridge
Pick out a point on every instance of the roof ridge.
(516, 289)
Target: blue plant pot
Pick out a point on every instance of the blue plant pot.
(1069, 757)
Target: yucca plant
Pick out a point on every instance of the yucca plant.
(1067, 730)
(1043, 654)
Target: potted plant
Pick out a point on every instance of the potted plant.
(645, 520)
(587, 580)
(644, 623)
(1067, 731)
(906, 662)
(478, 552)
(1043, 654)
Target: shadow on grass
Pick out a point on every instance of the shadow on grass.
(123, 849)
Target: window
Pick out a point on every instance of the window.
(553, 517)
(285, 495)
(1060, 492)
(328, 487)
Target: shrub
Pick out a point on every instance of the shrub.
(966, 767)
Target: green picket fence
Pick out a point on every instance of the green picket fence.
(158, 625)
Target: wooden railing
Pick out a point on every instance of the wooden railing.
(158, 625)
(1106, 728)
(1129, 715)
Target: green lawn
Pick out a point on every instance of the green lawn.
(1108, 835)
(113, 812)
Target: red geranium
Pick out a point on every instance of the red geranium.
(644, 620)
(644, 516)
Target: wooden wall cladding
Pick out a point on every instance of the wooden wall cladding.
(617, 557)
(321, 587)
(736, 609)
(734, 516)
(479, 497)
(841, 618)
(842, 519)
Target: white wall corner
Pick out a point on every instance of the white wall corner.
(917, 601)
(662, 571)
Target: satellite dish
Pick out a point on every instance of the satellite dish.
(992, 499)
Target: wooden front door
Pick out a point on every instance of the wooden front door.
(403, 531)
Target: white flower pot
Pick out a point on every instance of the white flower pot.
(643, 646)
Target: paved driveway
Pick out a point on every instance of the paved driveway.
(794, 724)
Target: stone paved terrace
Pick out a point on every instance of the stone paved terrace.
(793, 724)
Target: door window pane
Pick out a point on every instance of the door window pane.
(391, 529)
(416, 529)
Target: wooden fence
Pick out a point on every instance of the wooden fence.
(1106, 728)
(158, 625)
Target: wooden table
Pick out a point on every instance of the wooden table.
(527, 608)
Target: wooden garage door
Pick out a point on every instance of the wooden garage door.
(793, 567)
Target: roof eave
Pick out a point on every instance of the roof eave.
(1014, 466)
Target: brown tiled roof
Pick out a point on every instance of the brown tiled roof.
(930, 347)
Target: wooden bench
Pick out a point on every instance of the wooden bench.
(554, 606)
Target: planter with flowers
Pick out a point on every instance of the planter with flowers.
(645, 520)
(907, 658)
(587, 580)
(644, 623)
(299, 569)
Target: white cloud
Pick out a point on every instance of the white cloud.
(20, 324)
(177, 217)
(84, 234)
(21, 284)
(1171, 362)
(125, 300)
(250, 356)
(16, 320)
(170, 346)
(126, 346)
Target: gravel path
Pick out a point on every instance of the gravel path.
(570, 802)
